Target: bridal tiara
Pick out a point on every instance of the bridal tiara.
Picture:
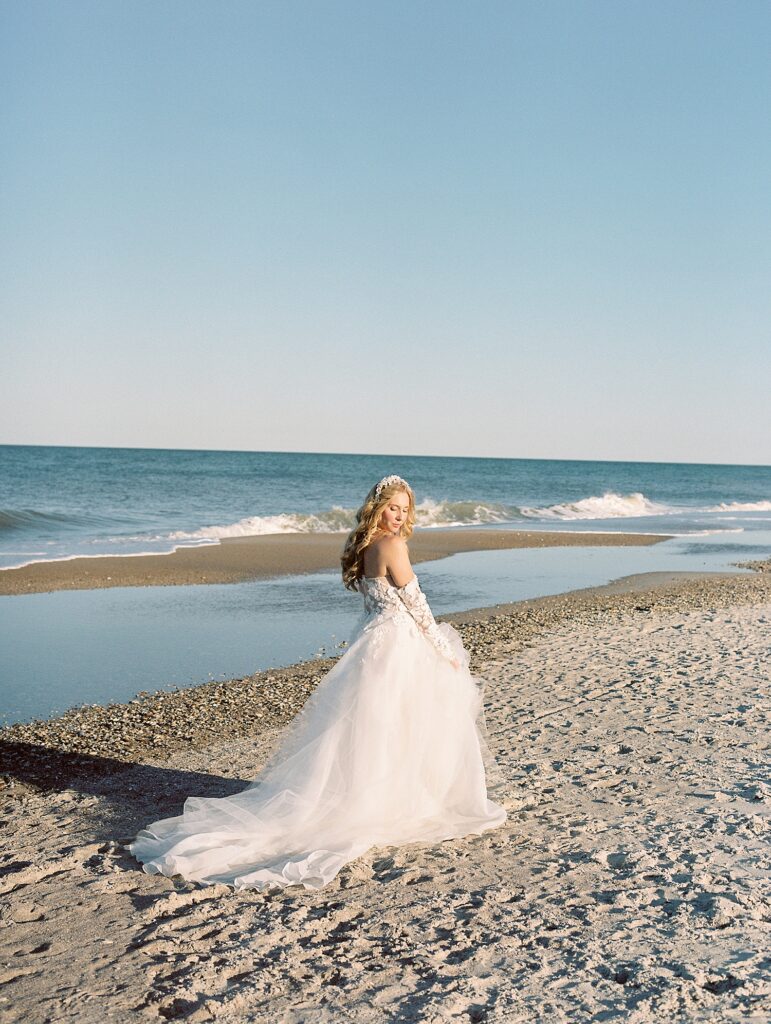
(386, 481)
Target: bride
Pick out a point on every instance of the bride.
(389, 749)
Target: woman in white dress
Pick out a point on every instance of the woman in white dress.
(389, 749)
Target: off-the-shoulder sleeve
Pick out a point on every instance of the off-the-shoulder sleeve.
(416, 604)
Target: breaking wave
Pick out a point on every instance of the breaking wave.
(431, 513)
(335, 520)
(338, 519)
(464, 513)
(743, 506)
(609, 506)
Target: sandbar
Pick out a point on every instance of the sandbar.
(237, 559)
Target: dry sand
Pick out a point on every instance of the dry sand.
(236, 559)
(631, 881)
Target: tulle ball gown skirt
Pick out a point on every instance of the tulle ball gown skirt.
(388, 750)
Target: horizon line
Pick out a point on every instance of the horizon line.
(387, 455)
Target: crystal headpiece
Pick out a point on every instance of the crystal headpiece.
(386, 481)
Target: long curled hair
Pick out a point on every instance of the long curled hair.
(367, 520)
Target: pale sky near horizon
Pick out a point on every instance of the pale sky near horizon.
(520, 229)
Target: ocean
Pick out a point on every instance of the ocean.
(59, 502)
(62, 649)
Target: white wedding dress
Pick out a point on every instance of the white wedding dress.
(389, 749)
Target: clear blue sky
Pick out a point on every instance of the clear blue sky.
(520, 229)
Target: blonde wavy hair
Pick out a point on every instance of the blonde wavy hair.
(367, 520)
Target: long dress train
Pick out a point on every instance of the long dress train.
(389, 749)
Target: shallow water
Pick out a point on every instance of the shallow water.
(68, 648)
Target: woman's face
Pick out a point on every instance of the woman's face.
(394, 515)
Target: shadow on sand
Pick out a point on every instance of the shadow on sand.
(132, 794)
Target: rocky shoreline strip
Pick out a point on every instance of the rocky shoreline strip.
(48, 754)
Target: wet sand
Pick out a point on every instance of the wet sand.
(236, 559)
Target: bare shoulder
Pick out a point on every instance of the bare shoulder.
(388, 556)
(392, 543)
(380, 554)
(397, 559)
(386, 546)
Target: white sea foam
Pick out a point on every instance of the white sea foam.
(71, 558)
(743, 506)
(428, 513)
(708, 533)
(432, 513)
(609, 506)
(336, 520)
(463, 513)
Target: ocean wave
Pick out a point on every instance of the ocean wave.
(464, 513)
(26, 518)
(431, 513)
(428, 513)
(743, 506)
(608, 506)
(335, 520)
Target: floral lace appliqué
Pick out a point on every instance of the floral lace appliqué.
(409, 601)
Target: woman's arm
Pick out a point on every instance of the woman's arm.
(413, 598)
(398, 560)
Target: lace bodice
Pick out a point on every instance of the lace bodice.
(381, 598)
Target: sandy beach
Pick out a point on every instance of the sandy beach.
(631, 881)
(236, 559)
(284, 274)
